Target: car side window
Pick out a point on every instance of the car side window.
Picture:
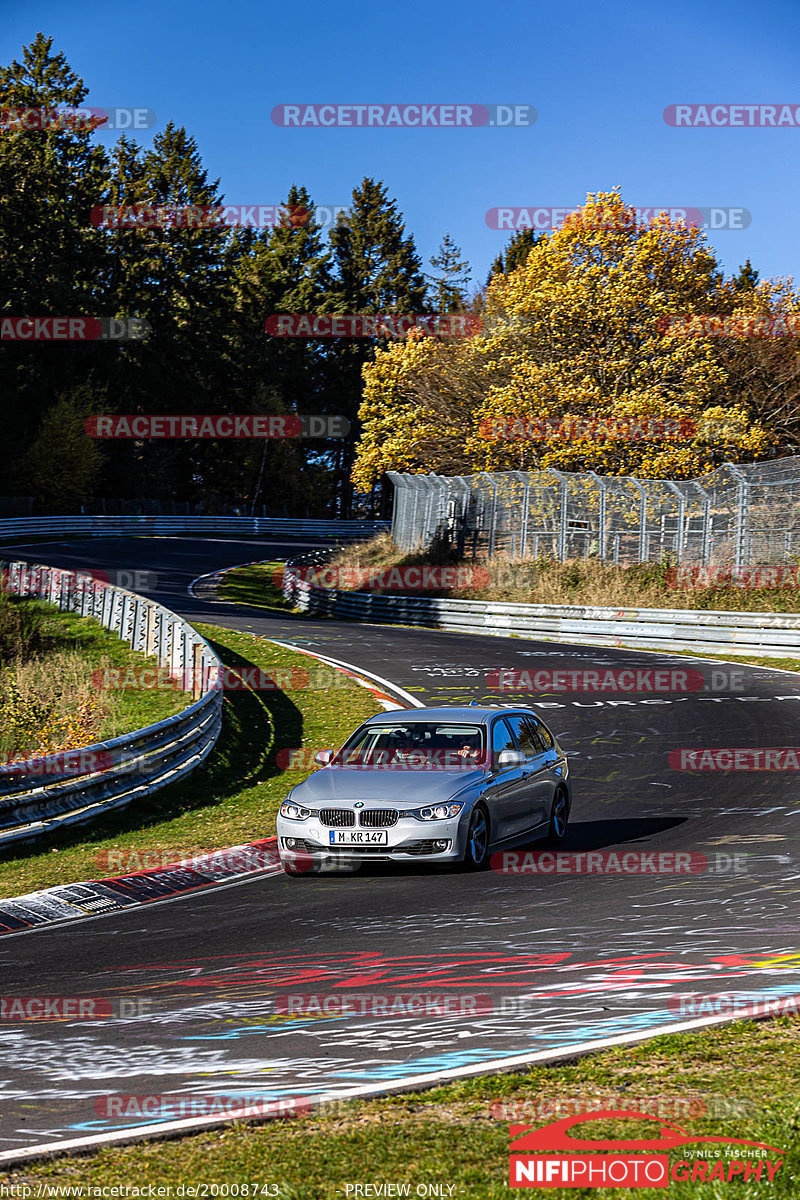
(543, 733)
(502, 738)
(529, 742)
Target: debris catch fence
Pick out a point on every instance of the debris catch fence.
(743, 515)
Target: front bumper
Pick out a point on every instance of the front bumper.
(434, 841)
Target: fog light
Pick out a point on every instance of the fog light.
(440, 846)
(288, 843)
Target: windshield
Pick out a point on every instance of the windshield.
(418, 745)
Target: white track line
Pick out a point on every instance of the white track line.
(412, 701)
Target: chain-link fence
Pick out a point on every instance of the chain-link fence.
(743, 515)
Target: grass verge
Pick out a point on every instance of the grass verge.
(232, 798)
(57, 688)
(738, 1081)
(581, 581)
(257, 585)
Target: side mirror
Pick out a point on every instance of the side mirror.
(510, 758)
(323, 757)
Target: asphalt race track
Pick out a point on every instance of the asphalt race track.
(530, 962)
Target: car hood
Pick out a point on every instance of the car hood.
(391, 787)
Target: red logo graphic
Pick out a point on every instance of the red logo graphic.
(591, 1163)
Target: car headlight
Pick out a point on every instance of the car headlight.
(439, 812)
(294, 812)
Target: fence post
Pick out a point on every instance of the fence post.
(741, 514)
(197, 670)
(642, 518)
(601, 483)
(493, 525)
(431, 490)
(681, 511)
(705, 547)
(562, 516)
(462, 512)
(522, 476)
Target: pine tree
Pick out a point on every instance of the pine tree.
(378, 271)
(449, 285)
(519, 247)
(181, 280)
(50, 257)
(747, 278)
(62, 466)
(286, 269)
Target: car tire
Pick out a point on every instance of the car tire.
(476, 851)
(559, 819)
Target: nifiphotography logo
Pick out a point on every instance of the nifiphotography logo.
(590, 1163)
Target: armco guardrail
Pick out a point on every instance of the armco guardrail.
(714, 631)
(16, 528)
(44, 794)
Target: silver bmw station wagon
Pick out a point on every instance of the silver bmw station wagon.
(448, 785)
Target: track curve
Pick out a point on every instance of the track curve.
(561, 958)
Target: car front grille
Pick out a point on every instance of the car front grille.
(378, 818)
(337, 818)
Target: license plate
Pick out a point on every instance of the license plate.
(359, 837)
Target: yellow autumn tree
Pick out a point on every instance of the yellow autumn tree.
(576, 352)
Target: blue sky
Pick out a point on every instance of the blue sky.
(599, 75)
